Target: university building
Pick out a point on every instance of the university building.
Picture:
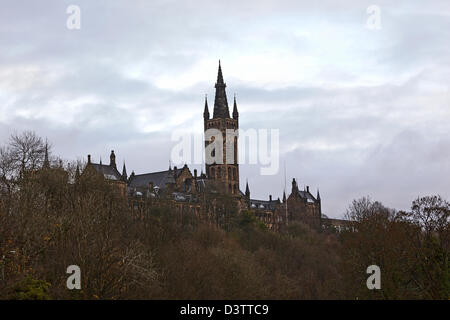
(187, 190)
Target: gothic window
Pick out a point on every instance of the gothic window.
(213, 152)
(229, 173)
(212, 173)
(234, 188)
(219, 172)
(234, 173)
(229, 187)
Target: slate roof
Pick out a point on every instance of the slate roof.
(307, 195)
(201, 184)
(263, 204)
(110, 173)
(158, 179)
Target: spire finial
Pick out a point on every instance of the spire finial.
(220, 75)
(247, 190)
(206, 111)
(124, 171)
(235, 110)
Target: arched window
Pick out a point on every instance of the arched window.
(229, 173)
(234, 188)
(219, 172)
(234, 173)
(212, 173)
(229, 187)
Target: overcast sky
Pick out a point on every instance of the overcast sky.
(360, 111)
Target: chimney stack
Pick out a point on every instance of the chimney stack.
(112, 160)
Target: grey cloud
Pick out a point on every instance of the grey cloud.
(372, 120)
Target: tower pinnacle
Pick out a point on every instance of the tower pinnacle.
(220, 103)
(247, 190)
(235, 110)
(124, 172)
(206, 111)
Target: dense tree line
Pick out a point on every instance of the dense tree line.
(51, 217)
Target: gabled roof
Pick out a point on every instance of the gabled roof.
(306, 195)
(109, 172)
(159, 179)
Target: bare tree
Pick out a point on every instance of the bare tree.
(27, 151)
(6, 165)
(365, 209)
(432, 213)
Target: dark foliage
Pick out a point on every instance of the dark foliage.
(49, 220)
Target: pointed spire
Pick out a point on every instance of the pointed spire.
(124, 172)
(219, 75)
(247, 190)
(100, 160)
(206, 112)
(46, 161)
(220, 103)
(235, 110)
(284, 196)
(77, 173)
(318, 194)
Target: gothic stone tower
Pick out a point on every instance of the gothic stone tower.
(226, 172)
